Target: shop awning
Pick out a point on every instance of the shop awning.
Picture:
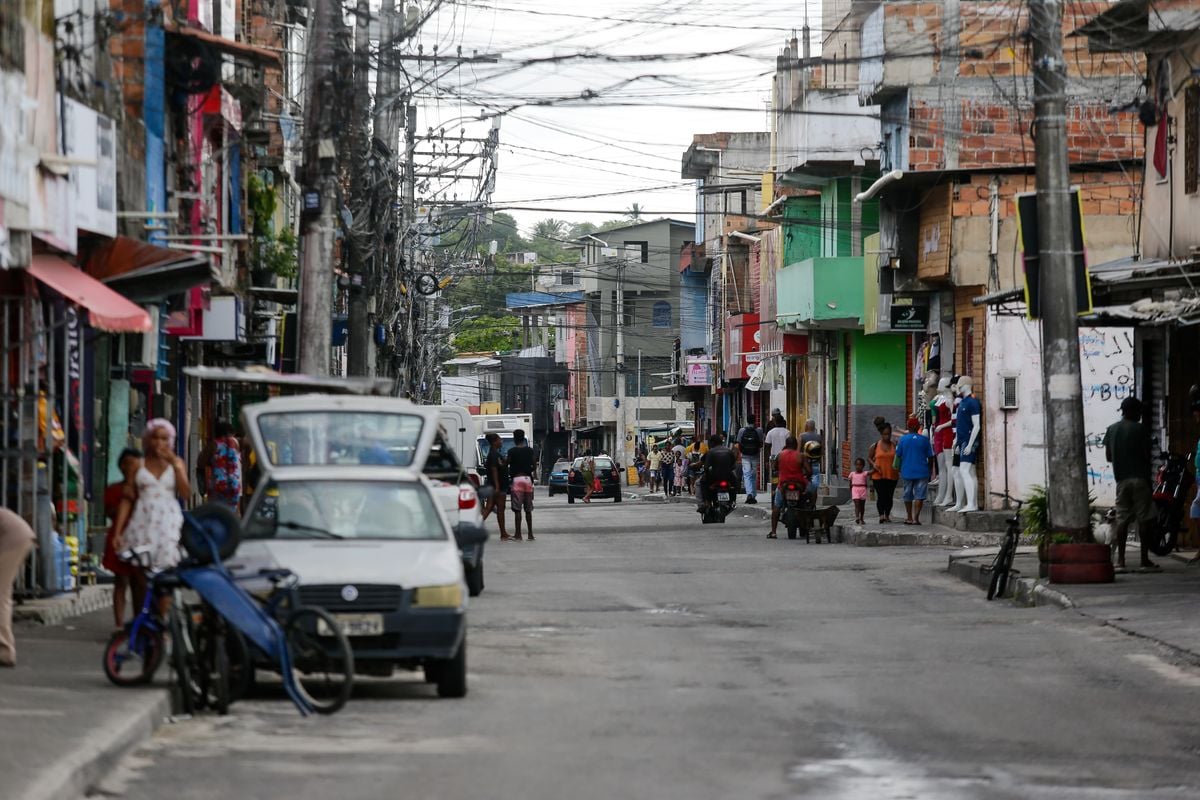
(147, 273)
(240, 50)
(285, 297)
(106, 309)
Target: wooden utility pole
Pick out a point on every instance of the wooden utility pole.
(316, 277)
(1063, 414)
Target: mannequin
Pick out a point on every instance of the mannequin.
(970, 414)
(954, 494)
(943, 442)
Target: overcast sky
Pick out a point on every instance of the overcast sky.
(551, 155)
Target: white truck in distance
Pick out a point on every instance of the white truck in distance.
(504, 425)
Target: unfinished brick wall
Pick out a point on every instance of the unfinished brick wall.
(1102, 192)
(991, 133)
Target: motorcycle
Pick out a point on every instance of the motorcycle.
(795, 499)
(720, 496)
(1170, 490)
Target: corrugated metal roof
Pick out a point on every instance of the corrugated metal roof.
(515, 300)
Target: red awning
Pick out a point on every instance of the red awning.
(106, 309)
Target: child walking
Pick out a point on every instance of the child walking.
(858, 490)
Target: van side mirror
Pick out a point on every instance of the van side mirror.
(468, 534)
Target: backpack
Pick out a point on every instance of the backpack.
(750, 441)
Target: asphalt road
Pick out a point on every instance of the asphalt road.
(632, 653)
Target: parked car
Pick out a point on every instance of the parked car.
(372, 548)
(345, 504)
(456, 493)
(558, 477)
(608, 473)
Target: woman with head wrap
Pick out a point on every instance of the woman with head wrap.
(150, 515)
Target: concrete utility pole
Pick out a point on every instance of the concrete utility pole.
(1066, 460)
(621, 417)
(315, 314)
(358, 342)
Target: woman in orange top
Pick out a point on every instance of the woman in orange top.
(882, 460)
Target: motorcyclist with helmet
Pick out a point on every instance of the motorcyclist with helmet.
(720, 463)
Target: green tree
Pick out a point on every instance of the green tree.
(489, 333)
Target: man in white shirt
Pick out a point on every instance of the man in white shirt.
(774, 441)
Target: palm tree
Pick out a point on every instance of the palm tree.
(634, 212)
(549, 229)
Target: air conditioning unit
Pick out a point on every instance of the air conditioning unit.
(1008, 393)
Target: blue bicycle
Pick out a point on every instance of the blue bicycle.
(215, 646)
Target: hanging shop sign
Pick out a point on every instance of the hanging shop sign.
(909, 318)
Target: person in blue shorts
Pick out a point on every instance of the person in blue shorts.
(915, 453)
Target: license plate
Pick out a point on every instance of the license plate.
(793, 495)
(723, 497)
(354, 625)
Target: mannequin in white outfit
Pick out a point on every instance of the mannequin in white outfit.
(955, 494)
(969, 427)
(943, 406)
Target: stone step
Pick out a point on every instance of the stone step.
(974, 521)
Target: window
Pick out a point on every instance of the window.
(340, 437)
(344, 509)
(1191, 139)
(568, 277)
(643, 248)
(662, 314)
(968, 347)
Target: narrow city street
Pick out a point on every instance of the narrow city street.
(632, 653)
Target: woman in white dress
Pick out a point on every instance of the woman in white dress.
(150, 515)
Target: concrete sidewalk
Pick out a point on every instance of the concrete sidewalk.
(64, 725)
(959, 533)
(1158, 606)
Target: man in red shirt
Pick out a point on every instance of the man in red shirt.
(791, 466)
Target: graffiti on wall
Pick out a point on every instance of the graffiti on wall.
(1106, 368)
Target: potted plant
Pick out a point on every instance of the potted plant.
(1058, 548)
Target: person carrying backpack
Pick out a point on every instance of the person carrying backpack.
(749, 441)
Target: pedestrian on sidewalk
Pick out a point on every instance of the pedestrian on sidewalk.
(1127, 446)
(858, 490)
(774, 442)
(654, 460)
(790, 464)
(881, 459)
(680, 465)
(149, 516)
(223, 468)
(496, 470)
(915, 454)
(16, 540)
(666, 466)
(128, 462)
(521, 460)
(811, 437)
(749, 441)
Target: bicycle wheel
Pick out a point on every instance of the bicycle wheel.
(1001, 567)
(322, 662)
(128, 663)
(184, 690)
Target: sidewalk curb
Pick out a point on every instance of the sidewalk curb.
(56, 610)
(78, 771)
(1029, 592)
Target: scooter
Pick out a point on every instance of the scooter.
(795, 499)
(1170, 491)
(720, 497)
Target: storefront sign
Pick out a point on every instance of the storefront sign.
(910, 318)
(696, 373)
(91, 137)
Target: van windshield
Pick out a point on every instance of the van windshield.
(343, 509)
(340, 437)
(506, 444)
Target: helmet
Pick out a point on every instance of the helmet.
(812, 449)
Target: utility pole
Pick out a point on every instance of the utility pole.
(1063, 415)
(387, 131)
(358, 341)
(621, 429)
(315, 314)
(408, 232)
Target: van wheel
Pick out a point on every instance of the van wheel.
(452, 674)
(475, 580)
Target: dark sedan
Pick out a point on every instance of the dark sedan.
(558, 477)
(608, 473)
